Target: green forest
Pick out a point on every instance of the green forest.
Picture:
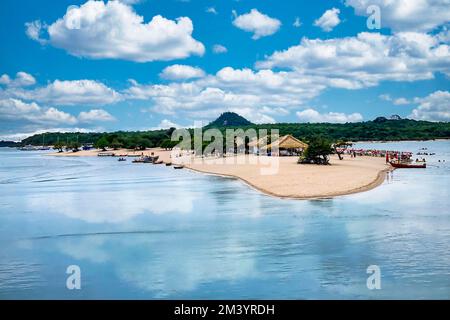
(381, 129)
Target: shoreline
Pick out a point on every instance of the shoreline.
(289, 181)
(381, 178)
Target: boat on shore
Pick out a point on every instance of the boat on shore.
(106, 154)
(408, 166)
(147, 159)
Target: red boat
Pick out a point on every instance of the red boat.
(406, 166)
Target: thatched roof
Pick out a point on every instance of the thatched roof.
(287, 142)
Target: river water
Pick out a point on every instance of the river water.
(151, 232)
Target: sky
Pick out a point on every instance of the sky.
(84, 66)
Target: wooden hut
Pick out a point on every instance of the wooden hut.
(285, 146)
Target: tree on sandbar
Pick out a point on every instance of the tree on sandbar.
(318, 151)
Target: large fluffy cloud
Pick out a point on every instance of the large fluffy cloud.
(113, 30)
(76, 92)
(434, 107)
(259, 24)
(17, 110)
(367, 59)
(407, 15)
(259, 94)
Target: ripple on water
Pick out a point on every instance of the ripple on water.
(19, 275)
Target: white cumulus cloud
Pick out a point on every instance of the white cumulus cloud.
(367, 59)
(68, 92)
(328, 20)
(434, 107)
(113, 30)
(407, 15)
(166, 124)
(22, 79)
(95, 115)
(181, 72)
(313, 116)
(17, 110)
(259, 24)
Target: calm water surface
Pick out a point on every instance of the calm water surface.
(143, 232)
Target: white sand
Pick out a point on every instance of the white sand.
(291, 180)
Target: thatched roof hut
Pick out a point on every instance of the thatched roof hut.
(286, 142)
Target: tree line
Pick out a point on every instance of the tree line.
(380, 130)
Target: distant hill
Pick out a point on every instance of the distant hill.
(10, 144)
(229, 119)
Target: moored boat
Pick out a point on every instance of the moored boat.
(408, 166)
(106, 154)
(146, 159)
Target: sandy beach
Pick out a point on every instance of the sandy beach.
(288, 179)
(292, 180)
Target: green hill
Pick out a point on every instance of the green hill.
(229, 119)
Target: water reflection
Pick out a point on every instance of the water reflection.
(152, 232)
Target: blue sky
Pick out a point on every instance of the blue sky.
(98, 65)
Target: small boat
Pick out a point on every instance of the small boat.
(168, 164)
(146, 159)
(408, 166)
(178, 167)
(158, 162)
(122, 159)
(106, 154)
